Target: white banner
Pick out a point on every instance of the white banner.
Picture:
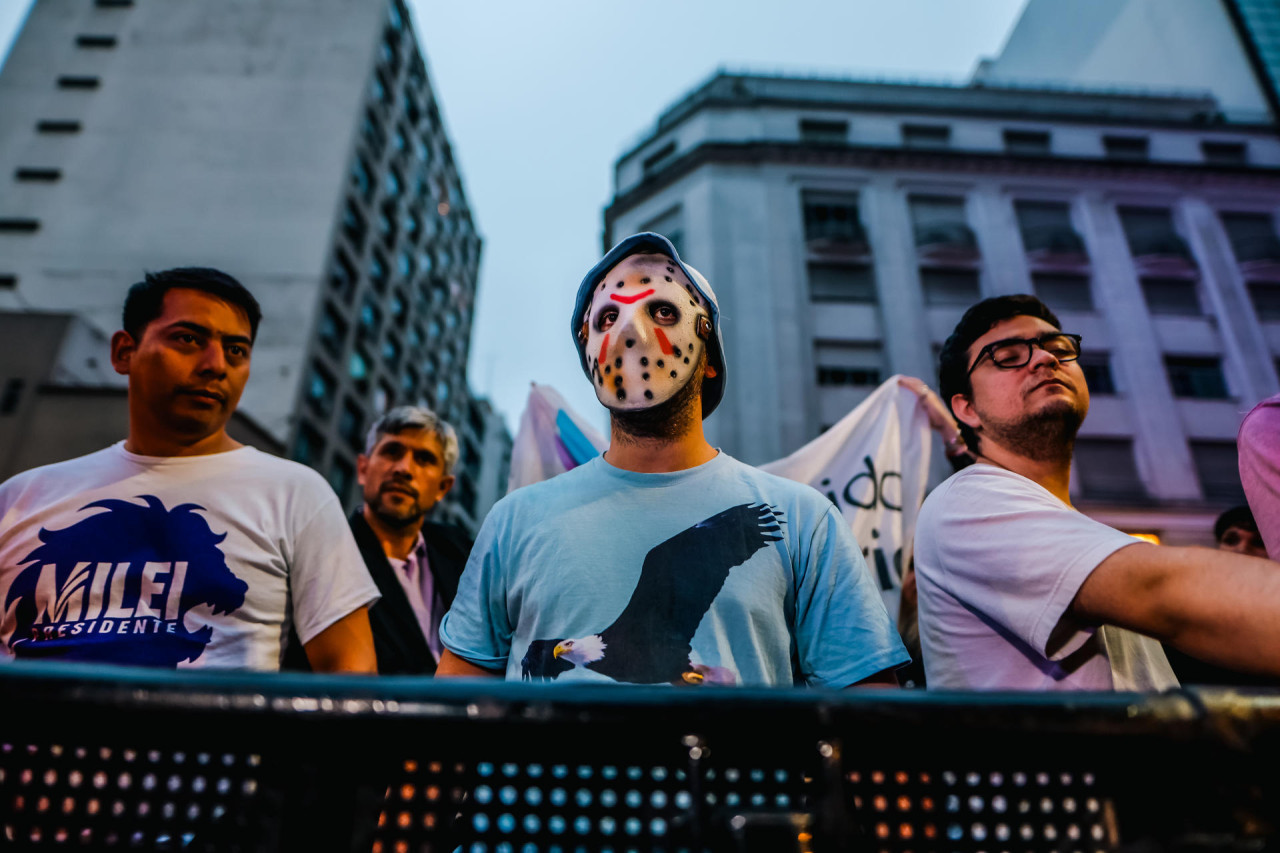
(552, 439)
(873, 465)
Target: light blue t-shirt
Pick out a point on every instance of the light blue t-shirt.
(719, 574)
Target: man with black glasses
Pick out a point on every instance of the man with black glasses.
(1018, 590)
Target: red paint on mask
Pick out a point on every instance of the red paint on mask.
(627, 300)
(662, 341)
(604, 349)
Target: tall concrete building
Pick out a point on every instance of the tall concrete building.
(295, 143)
(846, 226)
(1231, 48)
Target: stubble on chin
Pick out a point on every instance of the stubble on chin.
(1047, 435)
(398, 519)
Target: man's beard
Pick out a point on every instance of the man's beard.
(669, 419)
(411, 515)
(1048, 435)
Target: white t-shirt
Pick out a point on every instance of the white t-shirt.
(998, 562)
(173, 561)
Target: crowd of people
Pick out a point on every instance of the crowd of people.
(662, 561)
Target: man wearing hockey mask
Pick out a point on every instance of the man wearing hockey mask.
(665, 561)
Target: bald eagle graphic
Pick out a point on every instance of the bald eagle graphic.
(650, 642)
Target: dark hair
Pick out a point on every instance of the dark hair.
(146, 298)
(1238, 516)
(953, 361)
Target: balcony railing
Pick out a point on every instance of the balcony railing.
(1257, 250)
(1054, 241)
(837, 237)
(947, 241)
(103, 758)
(1162, 243)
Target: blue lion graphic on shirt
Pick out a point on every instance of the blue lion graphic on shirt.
(115, 587)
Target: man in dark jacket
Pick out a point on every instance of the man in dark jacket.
(406, 469)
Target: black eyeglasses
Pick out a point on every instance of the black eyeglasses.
(1016, 352)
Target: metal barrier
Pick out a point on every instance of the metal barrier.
(111, 758)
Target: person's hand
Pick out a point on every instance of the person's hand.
(940, 419)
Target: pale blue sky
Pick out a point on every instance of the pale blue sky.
(540, 98)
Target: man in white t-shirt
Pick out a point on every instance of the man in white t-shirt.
(179, 546)
(1018, 590)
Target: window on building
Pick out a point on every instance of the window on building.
(658, 159)
(370, 316)
(342, 276)
(333, 330)
(399, 305)
(380, 87)
(832, 219)
(851, 376)
(830, 282)
(384, 397)
(8, 281)
(341, 476)
(1027, 142)
(1218, 469)
(391, 352)
(78, 82)
(354, 226)
(358, 368)
(362, 177)
(351, 426)
(1106, 469)
(19, 225)
(94, 41)
(1096, 367)
(113, 4)
(1196, 377)
(57, 126)
(939, 221)
(1265, 296)
(377, 270)
(1252, 236)
(1046, 227)
(1225, 153)
(11, 396)
(848, 364)
(950, 287)
(372, 131)
(308, 445)
(321, 388)
(823, 131)
(1063, 291)
(36, 174)
(409, 381)
(926, 135)
(1172, 296)
(1150, 231)
(467, 494)
(393, 183)
(1126, 147)
(404, 264)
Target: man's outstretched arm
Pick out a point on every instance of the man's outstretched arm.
(452, 666)
(1217, 606)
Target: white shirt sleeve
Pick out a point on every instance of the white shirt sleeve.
(327, 576)
(1008, 549)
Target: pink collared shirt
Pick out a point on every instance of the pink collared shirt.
(414, 574)
(1259, 446)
